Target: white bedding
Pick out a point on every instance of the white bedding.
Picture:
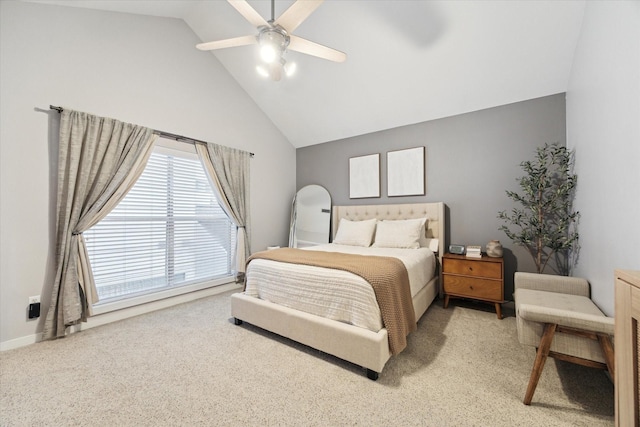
(334, 294)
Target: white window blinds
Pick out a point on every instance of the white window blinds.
(168, 231)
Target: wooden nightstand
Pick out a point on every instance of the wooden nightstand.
(476, 278)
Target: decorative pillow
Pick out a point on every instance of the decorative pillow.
(403, 233)
(433, 244)
(424, 241)
(355, 233)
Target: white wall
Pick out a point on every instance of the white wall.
(603, 126)
(139, 69)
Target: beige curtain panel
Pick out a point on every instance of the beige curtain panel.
(228, 173)
(99, 160)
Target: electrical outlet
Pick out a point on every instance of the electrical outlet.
(34, 307)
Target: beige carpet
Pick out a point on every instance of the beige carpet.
(190, 365)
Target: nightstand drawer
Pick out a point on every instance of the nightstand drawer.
(484, 289)
(492, 270)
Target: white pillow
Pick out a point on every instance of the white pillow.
(405, 233)
(433, 244)
(355, 233)
(424, 241)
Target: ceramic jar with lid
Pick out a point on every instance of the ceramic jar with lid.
(494, 249)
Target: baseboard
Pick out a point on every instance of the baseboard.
(114, 316)
(20, 342)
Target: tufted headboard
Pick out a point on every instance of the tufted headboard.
(433, 211)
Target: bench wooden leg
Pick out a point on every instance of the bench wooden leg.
(541, 357)
(607, 351)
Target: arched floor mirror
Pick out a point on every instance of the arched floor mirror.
(310, 217)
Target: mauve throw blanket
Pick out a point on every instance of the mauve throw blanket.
(387, 275)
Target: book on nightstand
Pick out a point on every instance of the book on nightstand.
(474, 251)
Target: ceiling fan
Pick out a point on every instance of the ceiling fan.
(275, 37)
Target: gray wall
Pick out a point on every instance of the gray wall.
(603, 126)
(471, 159)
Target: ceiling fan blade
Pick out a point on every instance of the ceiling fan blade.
(221, 44)
(314, 49)
(248, 12)
(297, 12)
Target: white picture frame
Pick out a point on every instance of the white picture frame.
(406, 173)
(364, 176)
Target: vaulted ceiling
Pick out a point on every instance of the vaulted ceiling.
(407, 61)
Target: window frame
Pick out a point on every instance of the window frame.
(187, 150)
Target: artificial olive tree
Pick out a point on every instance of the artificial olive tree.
(545, 222)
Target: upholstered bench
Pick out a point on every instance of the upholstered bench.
(556, 315)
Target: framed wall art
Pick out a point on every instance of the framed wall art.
(405, 172)
(364, 176)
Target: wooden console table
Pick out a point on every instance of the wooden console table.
(627, 341)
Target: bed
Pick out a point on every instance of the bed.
(365, 346)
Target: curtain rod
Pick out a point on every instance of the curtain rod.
(157, 132)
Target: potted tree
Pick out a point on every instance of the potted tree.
(545, 222)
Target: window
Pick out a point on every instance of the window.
(168, 232)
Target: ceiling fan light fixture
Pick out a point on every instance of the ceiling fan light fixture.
(262, 70)
(273, 41)
(275, 70)
(289, 68)
(268, 53)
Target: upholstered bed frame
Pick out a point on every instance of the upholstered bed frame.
(354, 344)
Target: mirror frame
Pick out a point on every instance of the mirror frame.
(310, 217)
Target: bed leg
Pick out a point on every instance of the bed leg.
(237, 321)
(372, 375)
